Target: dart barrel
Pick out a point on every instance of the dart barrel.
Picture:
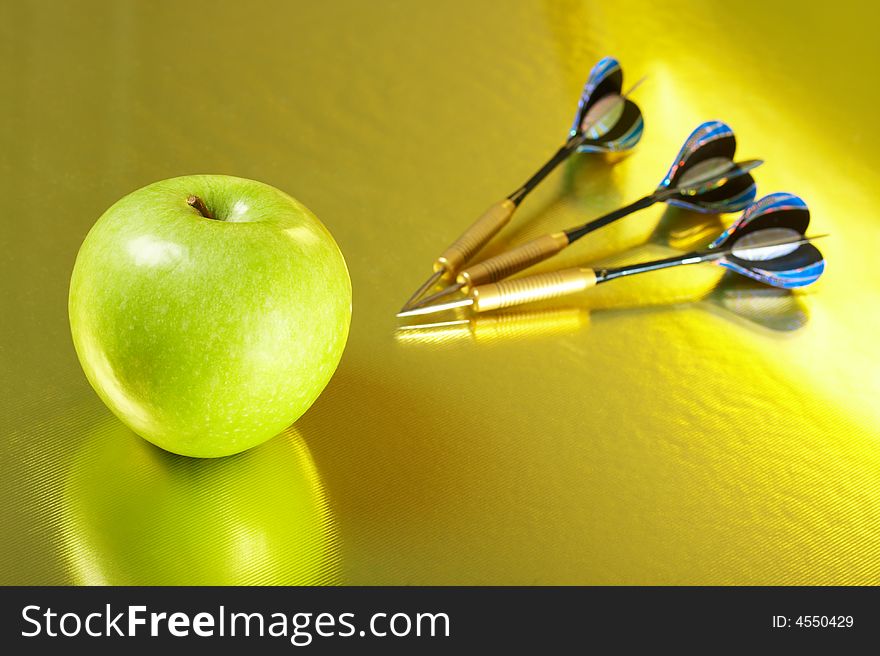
(542, 286)
(475, 237)
(516, 259)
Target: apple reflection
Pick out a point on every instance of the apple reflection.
(134, 514)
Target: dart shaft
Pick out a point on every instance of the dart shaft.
(497, 216)
(694, 257)
(654, 265)
(602, 111)
(542, 286)
(564, 152)
(579, 231)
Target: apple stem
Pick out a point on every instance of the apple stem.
(199, 205)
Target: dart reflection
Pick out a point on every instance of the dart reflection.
(777, 309)
(133, 514)
(490, 327)
(684, 230)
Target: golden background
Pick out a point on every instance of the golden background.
(679, 427)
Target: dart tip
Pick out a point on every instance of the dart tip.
(432, 309)
(424, 287)
(443, 293)
(431, 326)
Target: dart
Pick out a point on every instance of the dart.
(703, 178)
(606, 121)
(775, 309)
(767, 243)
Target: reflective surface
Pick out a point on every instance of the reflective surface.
(133, 514)
(678, 427)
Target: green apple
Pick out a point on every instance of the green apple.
(260, 517)
(209, 312)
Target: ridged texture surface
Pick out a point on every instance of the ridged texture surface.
(516, 259)
(538, 287)
(476, 236)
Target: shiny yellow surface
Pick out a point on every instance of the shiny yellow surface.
(662, 429)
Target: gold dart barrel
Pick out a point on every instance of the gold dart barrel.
(516, 259)
(469, 242)
(475, 237)
(529, 289)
